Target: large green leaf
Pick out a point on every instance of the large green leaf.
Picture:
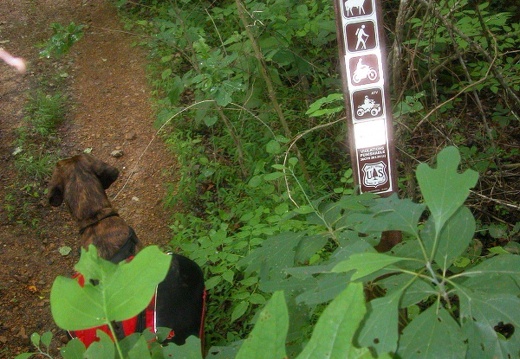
(414, 289)
(317, 289)
(489, 298)
(73, 350)
(454, 238)
(104, 348)
(111, 292)
(289, 285)
(308, 246)
(481, 313)
(326, 288)
(380, 328)
(492, 274)
(334, 333)
(276, 253)
(139, 350)
(367, 263)
(393, 214)
(486, 343)
(412, 250)
(443, 188)
(189, 350)
(433, 334)
(267, 339)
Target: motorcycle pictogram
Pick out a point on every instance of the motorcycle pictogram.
(363, 72)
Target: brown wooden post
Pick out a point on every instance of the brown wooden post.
(361, 45)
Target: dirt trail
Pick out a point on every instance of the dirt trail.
(111, 111)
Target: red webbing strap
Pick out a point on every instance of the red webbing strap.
(202, 320)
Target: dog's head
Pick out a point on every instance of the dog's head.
(79, 170)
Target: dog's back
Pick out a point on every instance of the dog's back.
(81, 182)
(180, 299)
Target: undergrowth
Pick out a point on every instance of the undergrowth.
(35, 149)
(421, 299)
(249, 99)
(34, 154)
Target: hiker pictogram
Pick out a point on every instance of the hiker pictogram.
(361, 36)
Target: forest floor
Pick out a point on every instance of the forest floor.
(109, 109)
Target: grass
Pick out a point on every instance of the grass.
(34, 153)
(45, 112)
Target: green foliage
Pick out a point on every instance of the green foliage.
(217, 65)
(315, 109)
(467, 305)
(112, 292)
(333, 335)
(45, 112)
(109, 289)
(242, 183)
(42, 344)
(36, 165)
(443, 189)
(463, 54)
(269, 333)
(62, 39)
(422, 303)
(34, 153)
(35, 149)
(138, 346)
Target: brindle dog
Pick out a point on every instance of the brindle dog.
(80, 182)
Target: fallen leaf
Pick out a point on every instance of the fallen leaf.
(64, 250)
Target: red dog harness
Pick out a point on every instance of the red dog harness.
(145, 319)
(179, 302)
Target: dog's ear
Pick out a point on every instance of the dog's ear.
(55, 196)
(106, 173)
(55, 190)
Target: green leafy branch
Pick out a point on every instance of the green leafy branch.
(62, 39)
(422, 274)
(111, 292)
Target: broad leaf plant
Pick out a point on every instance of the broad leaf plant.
(424, 303)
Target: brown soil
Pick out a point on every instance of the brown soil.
(110, 111)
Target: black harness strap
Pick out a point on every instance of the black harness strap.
(111, 214)
(128, 249)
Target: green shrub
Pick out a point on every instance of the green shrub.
(62, 39)
(45, 112)
(259, 161)
(430, 297)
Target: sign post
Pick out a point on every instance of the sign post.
(365, 88)
(363, 71)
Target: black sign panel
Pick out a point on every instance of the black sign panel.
(366, 94)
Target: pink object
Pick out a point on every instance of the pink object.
(16, 62)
